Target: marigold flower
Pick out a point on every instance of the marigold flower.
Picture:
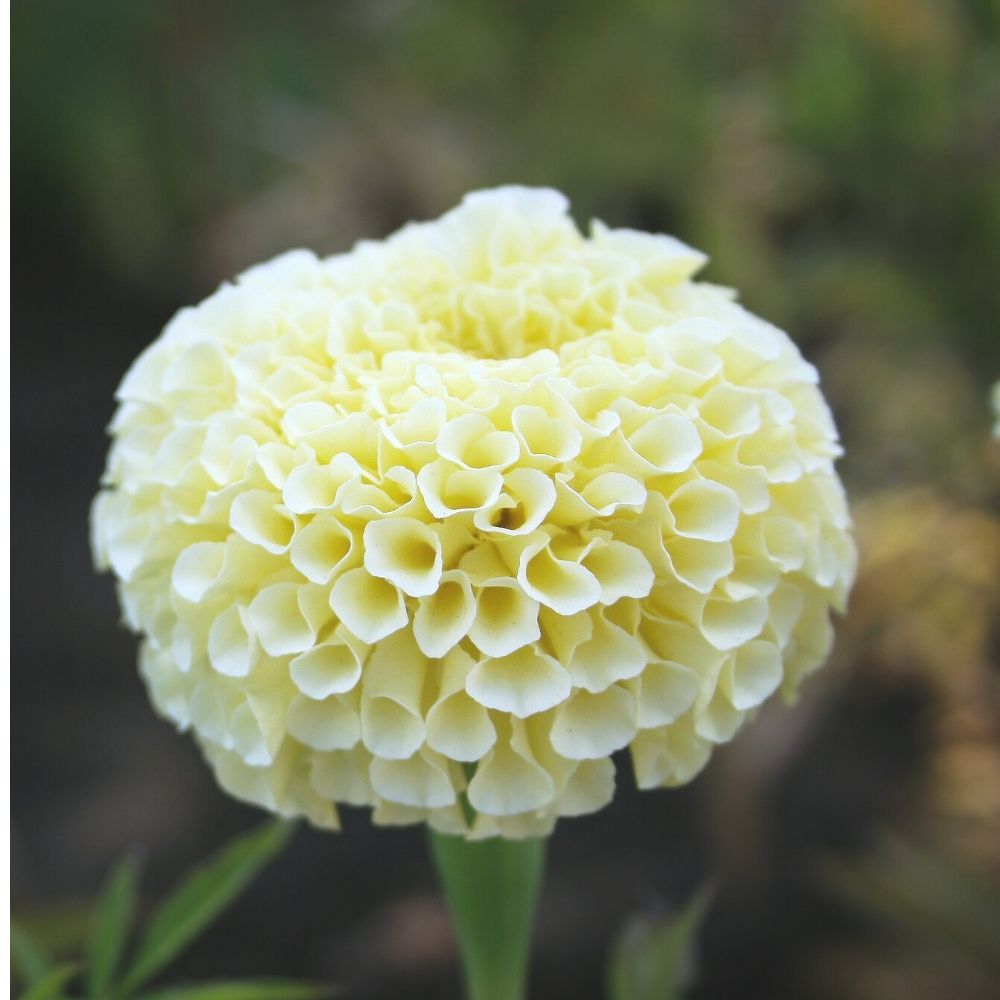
(468, 510)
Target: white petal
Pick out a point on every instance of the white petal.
(343, 776)
(472, 442)
(371, 608)
(405, 552)
(311, 488)
(197, 569)
(418, 781)
(527, 498)
(668, 443)
(322, 549)
(666, 691)
(443, 618)
(621, 570)
(259, 517)
(448, 490)
(543, 436)
(278, 620)
(590, 787)
(506, 618)
(329, 668)
(392, 724)
(460, 728)
(231, 643)
(594, 725)
(756, 674)
(706, 510)
(728, 624)
(609, 655)
(323, 725)
(522, 683)
(564, 586)
(507, 783)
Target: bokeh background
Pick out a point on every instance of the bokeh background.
(839, 161)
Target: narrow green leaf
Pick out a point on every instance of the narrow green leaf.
(653, 960)
(51, 986)
(27, 957)
(492, 889)
(925, 894)
(112, 919)
(245, 989)
(201, 897)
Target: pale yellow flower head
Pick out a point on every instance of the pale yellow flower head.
(466, 511)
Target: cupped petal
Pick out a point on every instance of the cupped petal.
(329, 724)
(406, 552)
(609, 655)
(665, 691)
(443, 619)
(278, 620)
(460, 728)
(523, 682)
(526, 500)
(509, 781)
(756, 673)
(326, 669)
(590, 725)
(370, 607)
(560, 584)
(621, 570)
(589, 788)
(448, 490)
(728, 624)
(472, 442)
(260, 518)
(421, 781)
(506, 618)
(705, 510)
(232, 643)
(198, 569)
(323, 548)
(392, 701)
(544, 437)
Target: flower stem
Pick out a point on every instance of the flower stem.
(492, 888)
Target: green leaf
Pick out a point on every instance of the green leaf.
(50, 986)
(27, 958)
(924, 894)
(201, 897)
(245, 989)
(492, 889)
(112, 918)
(653, 960)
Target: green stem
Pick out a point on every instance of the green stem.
(492, 888)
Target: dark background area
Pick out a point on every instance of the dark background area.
(840, 163)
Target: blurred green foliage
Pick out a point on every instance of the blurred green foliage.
(839, 159)
(200, 898)
(921, 894)
(655, 958)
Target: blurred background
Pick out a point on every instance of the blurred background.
(840, 163)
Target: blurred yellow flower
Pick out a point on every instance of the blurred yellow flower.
(468, 510)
